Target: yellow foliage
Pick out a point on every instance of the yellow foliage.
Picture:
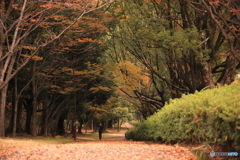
(131, 77)
(48, 35)
(49, 5)
(62, 92)
(66, 69)
(69, 89)
(80, 72)
(99, 88)
(35, 20)
(54, 86)
(111, 99)
(41, 74)
(86, 40)
(29, 47)
(37, 58)
(25, 55)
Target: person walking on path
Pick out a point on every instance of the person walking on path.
(100, 130)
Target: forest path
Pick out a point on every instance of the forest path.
(129, 126)
(117, 148)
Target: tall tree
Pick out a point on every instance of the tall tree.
(19, 19)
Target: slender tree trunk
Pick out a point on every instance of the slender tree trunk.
(55, 124)
(28, 106)
(92, 128)
(2, 101)
(80, 126)
(19, 116)
(69, 122)
(53, 118)
(5, 73)
(9, 129)
(72, 128)
(119, 127)
(2, 110)
(45, 114)
(16, 100)
(35, 95)
(33, 118)
(44, 127)
(110, 123)
(3, 92)
(45, 123)
(60, 126)
(15, 113)
(53, 128)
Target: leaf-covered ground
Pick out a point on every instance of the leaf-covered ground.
(106, 149)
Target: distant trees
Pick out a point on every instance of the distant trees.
(122, 113)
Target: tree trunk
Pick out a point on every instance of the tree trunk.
(2, 98)
(119, 127)
(53, 118)
(110, 123)
(55, 124)
(69, 122)
(19, 116)
(228, 75)
(15, 109)
(10, 127)
(207, 77)
(80, 126)
(2, 109)
(53, 128)
(72, 127)
(29, 109)
(60, 126)
(44, 126)
(45, 114)
(33, 127)
(35, 95)
(92, 127)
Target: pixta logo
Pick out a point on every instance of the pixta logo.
(212, 154)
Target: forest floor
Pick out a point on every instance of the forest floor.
(113, 146)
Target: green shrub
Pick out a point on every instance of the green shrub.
(211, 116)
(143, 133)
(135, 123)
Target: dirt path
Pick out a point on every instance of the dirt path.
(129, 126)
(107, 149)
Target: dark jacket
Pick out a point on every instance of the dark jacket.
(100, 128)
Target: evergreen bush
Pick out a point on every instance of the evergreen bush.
(211, 116)
(135, 123)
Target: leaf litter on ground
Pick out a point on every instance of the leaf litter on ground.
(106, 149)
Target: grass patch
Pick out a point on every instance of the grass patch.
(94, 136)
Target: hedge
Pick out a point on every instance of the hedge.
(211, 116)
